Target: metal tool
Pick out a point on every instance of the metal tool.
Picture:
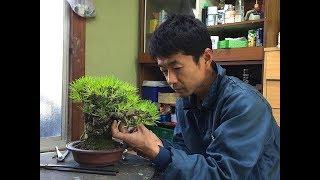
(61, 156)
(78, 169)
(124, 154)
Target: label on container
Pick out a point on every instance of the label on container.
(251, 38)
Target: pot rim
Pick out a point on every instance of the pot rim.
(70, 146)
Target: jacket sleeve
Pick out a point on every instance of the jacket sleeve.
(236, 146)
(178, 142)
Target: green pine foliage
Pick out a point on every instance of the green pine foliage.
(106, 98)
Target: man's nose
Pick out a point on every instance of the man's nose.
(171, 78)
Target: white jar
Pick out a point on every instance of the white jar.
(230, 14)
(214, 40)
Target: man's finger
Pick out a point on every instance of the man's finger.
(114, 127)
(119, 135)
(122, 128)
(115, 130)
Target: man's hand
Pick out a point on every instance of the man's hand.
(142, 140)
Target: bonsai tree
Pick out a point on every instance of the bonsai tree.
(105, 99)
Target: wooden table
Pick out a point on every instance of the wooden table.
(133, 167)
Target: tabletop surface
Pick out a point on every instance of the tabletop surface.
(133, 167)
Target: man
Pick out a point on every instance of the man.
(225, 127)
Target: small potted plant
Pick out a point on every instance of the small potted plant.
(105, 99)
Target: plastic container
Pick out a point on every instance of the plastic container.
(212, 16)
(239, 7)
(251, 38)
(232, 44)
(162, 16)
(204, 13)
(220, 16)
(153, 25)
(259, 37)
(150, 89)
(230, 14)
(214, 41)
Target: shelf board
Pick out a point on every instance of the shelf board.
(238, 54)
(244, 25)
(237, 62)
(238, 26)
(221, 28)
(272, 49)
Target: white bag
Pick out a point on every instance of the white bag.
(83, 8)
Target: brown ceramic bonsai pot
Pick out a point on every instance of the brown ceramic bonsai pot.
(94, 157)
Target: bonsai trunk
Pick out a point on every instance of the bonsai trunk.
(97, 134)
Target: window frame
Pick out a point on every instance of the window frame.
(72, 123)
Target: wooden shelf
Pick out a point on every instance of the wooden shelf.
(271, 49)
(222, 28)
(236, 56)
(239, 54)
(237, 62)
(231, 59)
(245, 25)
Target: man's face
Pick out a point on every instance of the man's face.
(183, 74)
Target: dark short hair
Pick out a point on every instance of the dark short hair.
(180, 34)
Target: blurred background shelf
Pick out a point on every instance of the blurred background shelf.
(249, 55)
(238, 26)
(234, 60)
(238, 54)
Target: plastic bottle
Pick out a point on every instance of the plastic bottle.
(251, 38)
(221, 5)
(204, 12)
(239, 7)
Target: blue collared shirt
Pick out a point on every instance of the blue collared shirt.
(231, 135)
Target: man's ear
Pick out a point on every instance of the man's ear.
(208, 56)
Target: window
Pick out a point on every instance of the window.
(54, 47)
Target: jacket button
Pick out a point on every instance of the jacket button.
(212, 137)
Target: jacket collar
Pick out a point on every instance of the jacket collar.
(190, 102)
